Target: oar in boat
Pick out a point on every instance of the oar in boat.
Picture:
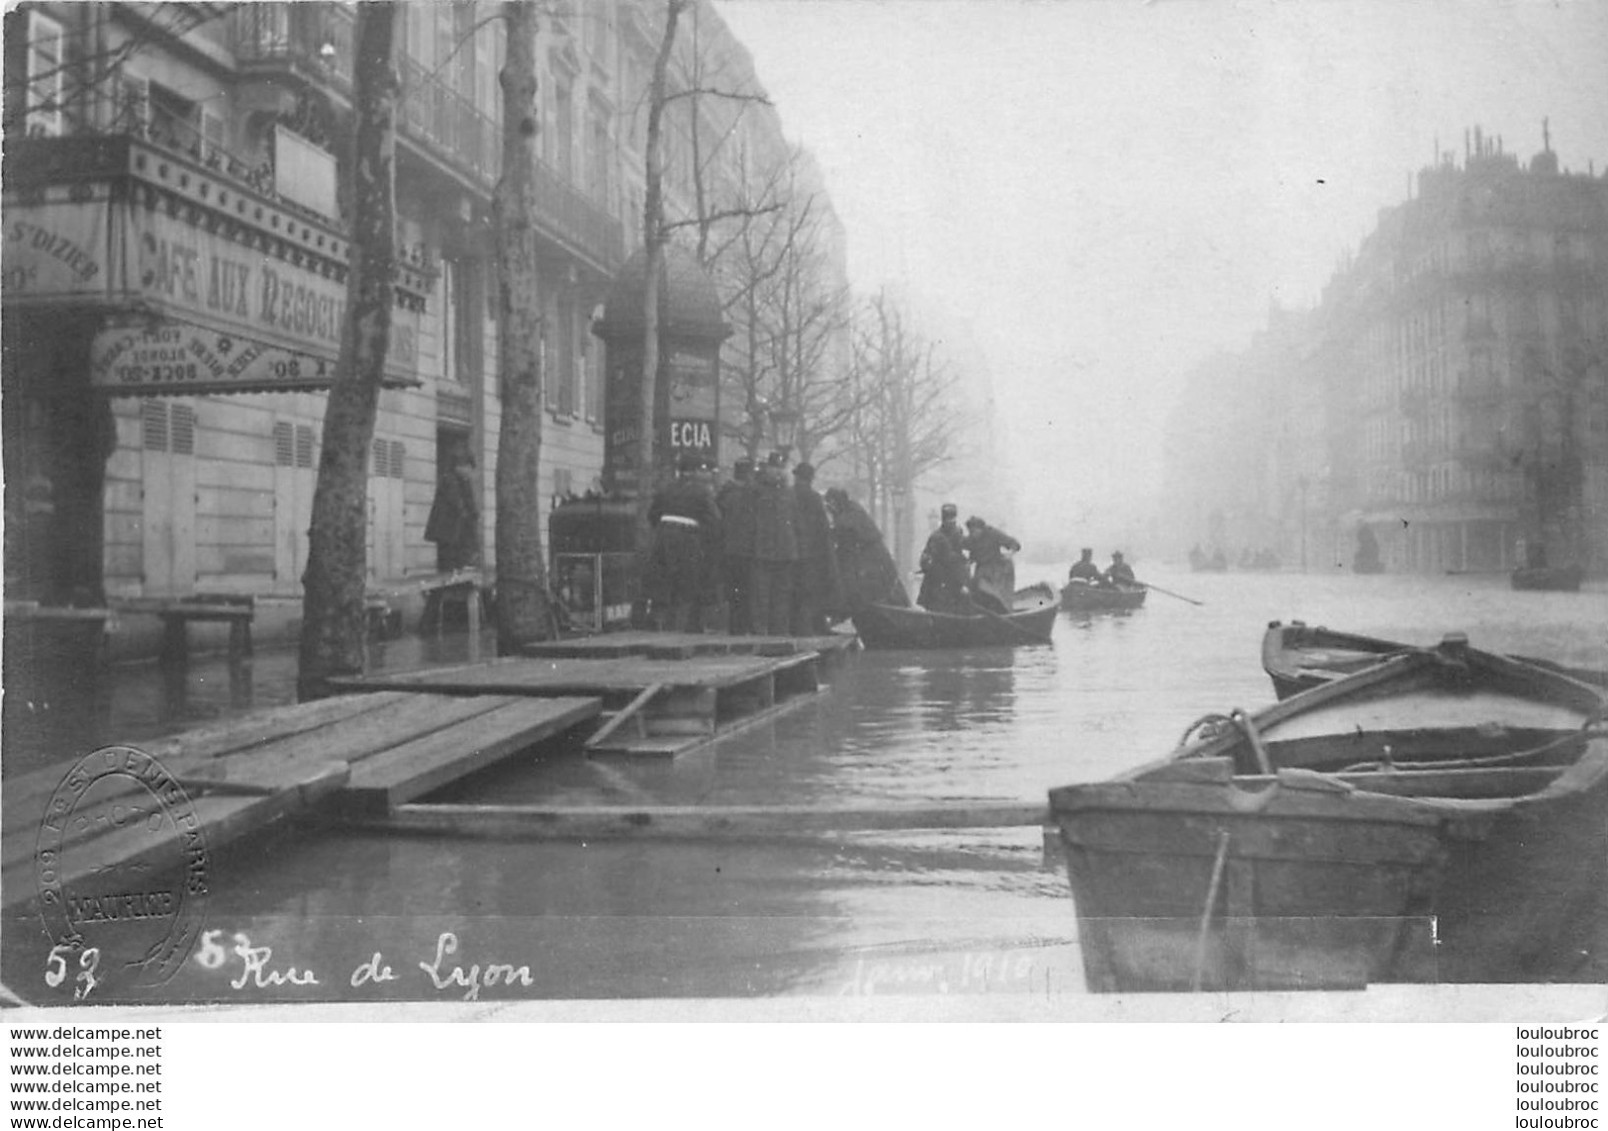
(1020, 630)
(1169, 592)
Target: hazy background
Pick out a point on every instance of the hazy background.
(1096, 194)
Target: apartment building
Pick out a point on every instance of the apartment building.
(175, 263)
(1449, 392)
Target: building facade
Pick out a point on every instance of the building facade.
(1449, 395)
(175, 263)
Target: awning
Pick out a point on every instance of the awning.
(194, 305)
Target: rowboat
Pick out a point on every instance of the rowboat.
(1029, 622)
(1562, 578)
(1441, 816)
(1298, 657)
(1089, 597)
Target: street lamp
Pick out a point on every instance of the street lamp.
(784, 429)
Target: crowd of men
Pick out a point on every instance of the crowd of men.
(760, 554)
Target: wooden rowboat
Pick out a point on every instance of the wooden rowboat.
(1087, 597)
(1298, 657)
(1440, 816)
(1030, 622)
(1562, 578)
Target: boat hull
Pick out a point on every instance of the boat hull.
(1299, 657)
(1319, 888)
(1564, 579)
(887, 627)
(1439, 816)
(1083, 598)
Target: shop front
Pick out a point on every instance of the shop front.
(144, 295)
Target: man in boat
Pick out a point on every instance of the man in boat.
(1084, 568)
(993, 580)
(736, 502)
(770, 585)
(868, 572)
(1119, 573)
(944, 582)
(815, 580)
(686, 525)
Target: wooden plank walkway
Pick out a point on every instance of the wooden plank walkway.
(704, 822)
(692, 701)
(358, 753)
(685, 645)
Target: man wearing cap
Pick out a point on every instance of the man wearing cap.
(993, 580)
(1084, 568)
(770, 589)
(685, 521)
(943, 566)
(736, 501)
(815, 579)
(1118, 572)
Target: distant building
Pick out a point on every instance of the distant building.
(175, 266)
(1449, 393)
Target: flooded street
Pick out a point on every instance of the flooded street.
(958, 911)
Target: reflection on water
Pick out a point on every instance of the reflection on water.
(956, 911)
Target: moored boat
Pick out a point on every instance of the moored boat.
(1298, 657)
(1086, 596)
(1439, 816)
(1029, 622)
(1564, 579)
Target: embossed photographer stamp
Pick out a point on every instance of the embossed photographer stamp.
(121, 867)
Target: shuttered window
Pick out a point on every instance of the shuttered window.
(154, 426)
(181, 431)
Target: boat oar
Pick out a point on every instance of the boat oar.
(1169, 593)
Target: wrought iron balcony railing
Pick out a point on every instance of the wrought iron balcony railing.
(314, 41)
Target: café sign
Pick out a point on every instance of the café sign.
(192, 310)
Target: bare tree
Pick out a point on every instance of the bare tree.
(654, 237)
(522, 605)
(905, 422)
(333, 636)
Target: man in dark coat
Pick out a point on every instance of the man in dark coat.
(454, 522)
(1118, 572)
(993, 580)
(685, 521)
(866, 568)
(770, 591)
(815, 581)
(1084, 568)
(943, 567)
(736, 502)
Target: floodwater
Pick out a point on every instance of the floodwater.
(314, 913)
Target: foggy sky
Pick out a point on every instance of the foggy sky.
(1106, 192)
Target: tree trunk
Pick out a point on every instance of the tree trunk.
(522, 607)
(334, 634)
(649, 473)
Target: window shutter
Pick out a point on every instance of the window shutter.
(154, 426)
(284, 444)
(182, 433)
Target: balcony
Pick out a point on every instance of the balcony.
(314, 44)
(311, 41)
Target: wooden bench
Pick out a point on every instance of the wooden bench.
(176, 613)
(462, 587)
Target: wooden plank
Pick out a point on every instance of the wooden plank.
(349, 740)
(222, 819)
(382, 782)
(697, 822)
(630, 713)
